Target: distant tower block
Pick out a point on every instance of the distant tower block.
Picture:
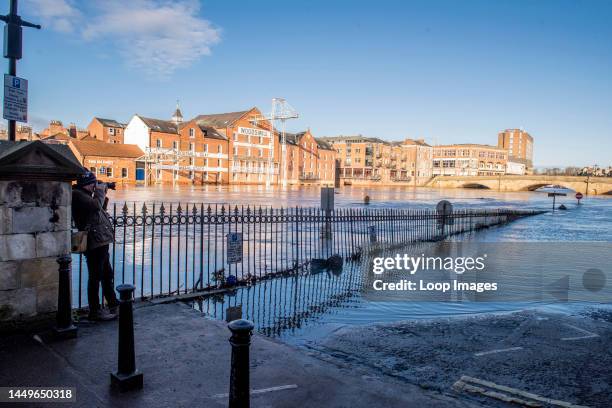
(178, 116)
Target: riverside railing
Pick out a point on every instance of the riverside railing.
(173, 249)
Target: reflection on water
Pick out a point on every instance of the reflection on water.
(306, 308)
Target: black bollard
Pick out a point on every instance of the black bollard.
(240, 392)
(64, 328)
(127, 376)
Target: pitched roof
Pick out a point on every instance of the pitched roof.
(159, 125)
(293, 138)
(353, 139)
(476, 145)
(111, 123)
(103, 149)
(323, 144)
(58, 136)
(24, 158)
(220, 120)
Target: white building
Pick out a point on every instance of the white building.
(515, 168)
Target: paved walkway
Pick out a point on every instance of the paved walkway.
(185, 360)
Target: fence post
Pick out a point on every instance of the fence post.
(64, 328)
(327, 205)
(127, 376)
(239, 394)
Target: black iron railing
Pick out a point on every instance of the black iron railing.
(173, 249)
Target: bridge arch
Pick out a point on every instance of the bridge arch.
(534, 187)
(477, 186)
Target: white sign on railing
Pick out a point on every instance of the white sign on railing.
(234, 247)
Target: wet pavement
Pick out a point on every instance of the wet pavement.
(185, 359)
(553, 356)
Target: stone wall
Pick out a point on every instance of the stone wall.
(34, 230)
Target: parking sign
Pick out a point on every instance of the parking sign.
(15, 98)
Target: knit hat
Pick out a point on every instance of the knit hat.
(86, 178)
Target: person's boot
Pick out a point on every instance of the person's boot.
(101, 315)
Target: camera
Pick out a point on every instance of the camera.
(111, 184)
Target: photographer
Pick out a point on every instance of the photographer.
(89, 214)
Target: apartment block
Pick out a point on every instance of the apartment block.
(308, 160)
(519, 145)
(469, 160)
(367, 160)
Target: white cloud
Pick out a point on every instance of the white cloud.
(156, 36)
(59, 15)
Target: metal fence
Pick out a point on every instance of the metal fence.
(177, 249)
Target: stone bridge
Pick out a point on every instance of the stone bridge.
(583, 184)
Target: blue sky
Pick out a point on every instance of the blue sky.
(446, 71)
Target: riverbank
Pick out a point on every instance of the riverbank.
(185, 359)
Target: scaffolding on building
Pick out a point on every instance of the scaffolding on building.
(157, 158)
(283, 111)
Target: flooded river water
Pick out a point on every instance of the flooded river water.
(307, 308)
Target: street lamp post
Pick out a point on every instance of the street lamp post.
(13, 47)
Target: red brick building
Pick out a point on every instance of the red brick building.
(109, 161)
(308, 160)
(106, 130)
(253, 151)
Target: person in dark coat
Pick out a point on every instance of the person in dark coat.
(89, 214)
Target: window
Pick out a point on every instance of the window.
(158, 143)
(205, 162)
(192, 147)
(235, 151)
(191, 175)
(124, 172)
(191, 132)
(219, 149)
(175, 144)
(234, 137)
(109, 172)
(260, 152)
(111, 131)
(206, 148)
